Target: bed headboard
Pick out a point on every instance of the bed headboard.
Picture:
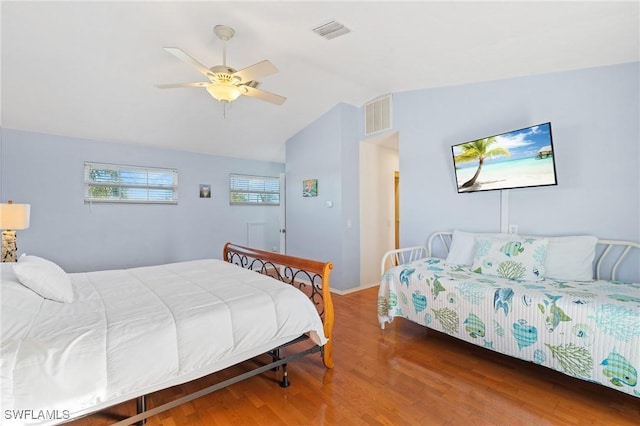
(610, 254)
(439, 243)
(309, 276)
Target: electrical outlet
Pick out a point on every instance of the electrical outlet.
(513, 229)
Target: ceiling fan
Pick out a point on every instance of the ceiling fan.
(225, 83)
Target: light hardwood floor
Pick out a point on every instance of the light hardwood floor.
(405, 375)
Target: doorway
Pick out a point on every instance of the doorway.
(282, 216)
(396, 207)
(379, 210)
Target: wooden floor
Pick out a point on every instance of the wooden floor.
(404, 375)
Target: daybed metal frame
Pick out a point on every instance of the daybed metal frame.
(609, 256)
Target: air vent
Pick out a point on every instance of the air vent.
(377, 115)
(331, 30)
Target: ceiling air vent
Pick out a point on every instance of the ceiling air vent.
(331, 29)
(377, 115)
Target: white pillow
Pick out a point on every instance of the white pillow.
(463, 243)
(44, 277)
(520, 259)
(571, 258)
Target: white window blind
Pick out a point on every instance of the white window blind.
(254, 190)
(116, 183)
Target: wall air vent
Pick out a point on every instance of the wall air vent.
(377, 115)
(331, 30)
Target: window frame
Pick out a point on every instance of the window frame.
(254, 196)
(117, 184)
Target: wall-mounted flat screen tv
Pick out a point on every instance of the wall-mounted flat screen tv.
(517, 159)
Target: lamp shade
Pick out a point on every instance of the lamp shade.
(14, 216)
(224, 92)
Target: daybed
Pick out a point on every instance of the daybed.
(74, 344)
(527, 297)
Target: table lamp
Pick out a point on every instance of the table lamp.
(12, 217)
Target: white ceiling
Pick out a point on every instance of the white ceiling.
(88, 69)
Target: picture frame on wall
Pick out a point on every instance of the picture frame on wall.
(205, 190)
(310, 188)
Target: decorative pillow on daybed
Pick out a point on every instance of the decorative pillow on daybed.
(571, 258)
(519, 259)
(44, 277)
(462, 250)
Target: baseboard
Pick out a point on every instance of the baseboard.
(354, 289)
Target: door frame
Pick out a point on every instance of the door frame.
(282, 216)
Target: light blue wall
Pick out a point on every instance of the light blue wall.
(594, 115)
(47, 172)
(326, 150)
(352, 122)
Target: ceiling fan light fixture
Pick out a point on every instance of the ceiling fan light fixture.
(225, 83)
(224, 92)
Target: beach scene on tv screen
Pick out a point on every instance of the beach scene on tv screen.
(516, 159)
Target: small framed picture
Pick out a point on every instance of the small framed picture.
(310, 188)
(205, 191)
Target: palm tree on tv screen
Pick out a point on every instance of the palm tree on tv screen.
(478, 150)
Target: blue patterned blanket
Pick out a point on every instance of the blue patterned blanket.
(589, 330)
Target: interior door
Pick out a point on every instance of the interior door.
(396, 191)
(282, 215)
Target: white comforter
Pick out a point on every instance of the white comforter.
(131, 332)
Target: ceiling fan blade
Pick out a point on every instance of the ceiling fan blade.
(183, 56)
(256, 71)
(263, 95)
(177, 85)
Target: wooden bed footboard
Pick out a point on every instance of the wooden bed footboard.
(309, 276)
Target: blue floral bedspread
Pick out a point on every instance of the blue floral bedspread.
(589, 330)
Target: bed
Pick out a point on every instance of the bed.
(74, 344)
(553, 301)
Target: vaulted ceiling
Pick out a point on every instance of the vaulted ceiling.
(89, 69)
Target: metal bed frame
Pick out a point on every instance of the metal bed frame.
(609, 256)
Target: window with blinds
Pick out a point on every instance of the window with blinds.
(254, 190)
(116, 183)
